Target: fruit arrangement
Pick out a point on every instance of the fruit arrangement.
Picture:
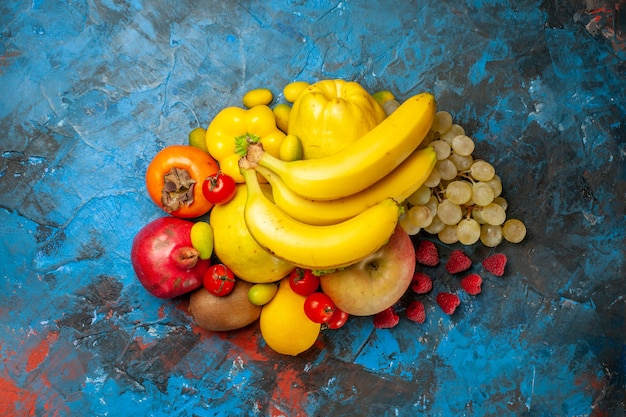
(304, 214)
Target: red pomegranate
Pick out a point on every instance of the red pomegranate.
(164, 259)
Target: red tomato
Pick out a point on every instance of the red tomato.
(318, 307)
(338, 319)
(303, 282)
(219, 188)
(219, 280)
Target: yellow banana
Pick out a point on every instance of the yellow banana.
(316, 247)
(399, 184)
(363, 162)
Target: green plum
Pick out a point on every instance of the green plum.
(197, 138)
(261, 294)
(202, 239)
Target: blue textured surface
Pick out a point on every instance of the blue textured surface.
(92, 90)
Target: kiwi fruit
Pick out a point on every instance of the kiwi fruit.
(230, 312)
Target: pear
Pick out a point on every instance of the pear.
(236, 248)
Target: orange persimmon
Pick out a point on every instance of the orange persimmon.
(174, 180)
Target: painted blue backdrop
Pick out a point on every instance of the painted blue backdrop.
(91, 90)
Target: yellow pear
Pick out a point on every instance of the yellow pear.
(284, 325)
(236, 248)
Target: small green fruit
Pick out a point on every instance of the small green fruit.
(290, 149)
(261, 294)
(281, 114)
(202, 239)
(197, 138)
(383, 96)
(257, 97)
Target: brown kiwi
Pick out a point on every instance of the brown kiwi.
(230, 312)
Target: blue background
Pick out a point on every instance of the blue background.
(91, 90)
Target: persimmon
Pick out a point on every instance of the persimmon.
(174, 180)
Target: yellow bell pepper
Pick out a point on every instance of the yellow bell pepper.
(329, 115)
(232, 127)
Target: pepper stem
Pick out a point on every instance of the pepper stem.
(244, 141)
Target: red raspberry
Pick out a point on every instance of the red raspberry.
(448, 302)
(458, 262)
(386, 319)
(471, 284)
(416, 312)
(426, 253)
(422, 283)
(495, 264)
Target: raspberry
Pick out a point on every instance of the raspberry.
(495, 264)
(471, 284)
(386, 319)
(422, 283)
(426, 253)
(448, 302)
(458, 262)
(416, 312)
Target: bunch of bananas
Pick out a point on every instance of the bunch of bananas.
(331, 212)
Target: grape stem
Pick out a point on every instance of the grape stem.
(467, 176)
(469, 210)
(439, 192)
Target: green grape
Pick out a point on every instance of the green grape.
(432, 205)
(465, 183)
(496, 184)
(482, 193)
(407, 225)
(482, 170)
(420, 216)
(462, 163)
(430, 136)
(420, 196)
(436, 226)
(494, 214)
(390, 106)
(459, 192)
(449, 213)
(442, 149)
(468, 231)
(442, 122)
(477, 214)
(433, 179)
(455, 130)
(448, 235)
(490, 235)
(446, 169)
(514, 230)
(462, 145)
(501, 201)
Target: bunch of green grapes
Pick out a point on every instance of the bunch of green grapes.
(461, 200)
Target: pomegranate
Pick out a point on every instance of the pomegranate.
(164, 259)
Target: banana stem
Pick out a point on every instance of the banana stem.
(253, 155)
(256, 157)
(249, 176)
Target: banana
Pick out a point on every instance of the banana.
(363, 162)
(316, 247)
(399, 184)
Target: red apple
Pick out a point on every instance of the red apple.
(375, 283)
